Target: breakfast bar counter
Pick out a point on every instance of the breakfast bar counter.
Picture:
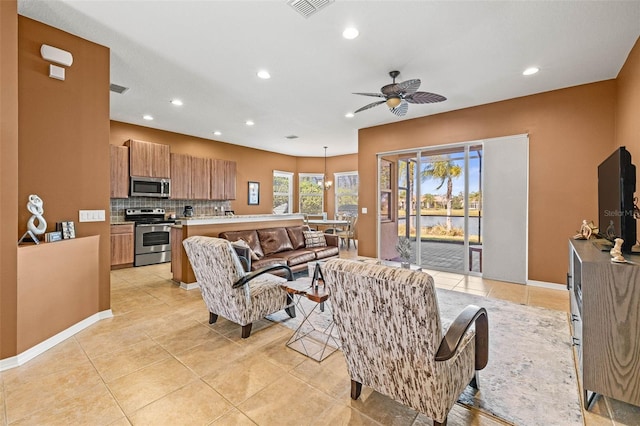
(212, 226)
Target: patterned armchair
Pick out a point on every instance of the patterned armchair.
(392, 337)
(228, 290)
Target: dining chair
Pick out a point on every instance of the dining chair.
(350, 232)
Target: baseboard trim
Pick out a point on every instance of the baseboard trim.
(40, 348)
(190, 286)
(553, 286)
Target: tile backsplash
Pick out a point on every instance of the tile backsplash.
(200, 207)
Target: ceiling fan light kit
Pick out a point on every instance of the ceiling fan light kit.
(398, 96)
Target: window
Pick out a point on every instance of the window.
(386, 209)
(346, 193)
(282, 192)
(311, 193)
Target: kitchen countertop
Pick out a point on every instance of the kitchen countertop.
(209, 220)
(124, 222)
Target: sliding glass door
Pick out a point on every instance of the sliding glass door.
(439, 206)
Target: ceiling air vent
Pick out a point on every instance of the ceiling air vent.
(307, 8)
(118, 89)
(291, 137)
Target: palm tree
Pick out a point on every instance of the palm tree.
(442, 168)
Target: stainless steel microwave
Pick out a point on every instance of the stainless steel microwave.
(150, 187)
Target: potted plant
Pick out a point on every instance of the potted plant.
(404, 250)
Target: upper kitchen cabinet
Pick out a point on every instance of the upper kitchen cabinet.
(180, 176)
(147, 159)
(223, 180)
(119, 171)
(200, 178)
(230, 180)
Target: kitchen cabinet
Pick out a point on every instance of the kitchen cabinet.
(122, 245)
(605, 322)
(147, 159)
(119, 171)
(200, 178)
(223, 180)
(230, 180)
(180, 176)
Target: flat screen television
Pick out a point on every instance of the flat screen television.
(616, 186)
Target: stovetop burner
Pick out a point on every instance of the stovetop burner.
(147, 215)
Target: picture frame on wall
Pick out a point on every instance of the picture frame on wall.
(254, 193)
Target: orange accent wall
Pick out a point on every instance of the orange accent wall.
(64, 136)
(570, 132)
(8, 176)
(252, 164)
(628, 107)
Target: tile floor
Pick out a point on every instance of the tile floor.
(158, 362)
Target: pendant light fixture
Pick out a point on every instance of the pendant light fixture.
(326, 183)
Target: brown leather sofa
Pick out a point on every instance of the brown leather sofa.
(283, 246)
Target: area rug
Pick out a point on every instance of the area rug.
(530, 378)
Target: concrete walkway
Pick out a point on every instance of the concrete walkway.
(445, 255)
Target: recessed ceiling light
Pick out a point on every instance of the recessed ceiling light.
(147, 117)
(249, 123)
(350, 33)
(217, 133)
(264, 74)
(349, 115)
(530, 71)
(176, 102)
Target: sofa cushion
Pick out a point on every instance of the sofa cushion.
(274, 240)
(314, 239)
(296, 236)
(296, 257)
(268, 261)
(250, 236)
(325, 252)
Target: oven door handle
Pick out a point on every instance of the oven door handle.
(148, 225)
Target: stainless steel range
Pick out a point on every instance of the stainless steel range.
(152, 236)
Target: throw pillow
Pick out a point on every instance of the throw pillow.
(243, 243)
(314, 239)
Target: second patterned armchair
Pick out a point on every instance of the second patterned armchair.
(392, 338)
(228, 290)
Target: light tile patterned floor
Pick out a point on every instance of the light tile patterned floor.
(159, 362)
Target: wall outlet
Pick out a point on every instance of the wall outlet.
(364, 210)
(91, 216)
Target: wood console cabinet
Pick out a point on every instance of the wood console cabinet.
(122, 245)
(147, 159)
(119, 171)
(605, 322)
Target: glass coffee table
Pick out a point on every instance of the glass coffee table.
(316, 336)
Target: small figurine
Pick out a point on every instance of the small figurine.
(586, 230)
(616, 251)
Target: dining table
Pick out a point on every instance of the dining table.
(327, 223)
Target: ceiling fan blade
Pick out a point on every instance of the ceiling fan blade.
(377, 95)
(371, 105)
(424, 98)
(390, 90)
(401, 109)
(409, 87)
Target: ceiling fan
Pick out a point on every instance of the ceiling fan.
(398, 96)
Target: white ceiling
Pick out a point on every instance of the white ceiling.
(207, 53)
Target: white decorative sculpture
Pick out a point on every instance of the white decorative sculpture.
(35, 208)
(616, 251)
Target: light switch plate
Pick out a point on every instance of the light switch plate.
(91, 216)
(364, 210)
